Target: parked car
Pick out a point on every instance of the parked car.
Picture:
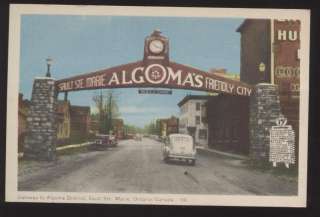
(179, 147)
(103, 141)
(113, 140)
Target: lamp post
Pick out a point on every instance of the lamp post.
(262, 69)
(49, 63)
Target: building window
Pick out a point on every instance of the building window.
(197, 119)
(198, 106)
(184, 109)
(203, 134)
(226, 133)
(203, 108)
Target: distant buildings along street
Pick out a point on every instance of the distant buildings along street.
(168, 126)
(269, 54)
(23, 109)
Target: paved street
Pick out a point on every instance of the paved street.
(137, 167)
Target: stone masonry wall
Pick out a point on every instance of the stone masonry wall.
(40, 141)
(264, 110)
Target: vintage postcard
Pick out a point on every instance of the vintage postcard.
(157, 105)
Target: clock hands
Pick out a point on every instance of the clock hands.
(157, 45)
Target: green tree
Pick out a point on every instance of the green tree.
(153, 127)
(131, 129)
(107, 110)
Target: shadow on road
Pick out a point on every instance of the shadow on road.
(178, 162)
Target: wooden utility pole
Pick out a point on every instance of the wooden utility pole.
(109, 120)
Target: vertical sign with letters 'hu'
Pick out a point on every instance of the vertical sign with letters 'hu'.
(287, 58)
(282, 141)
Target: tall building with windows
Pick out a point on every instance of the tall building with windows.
(270, 52)
(255, 51)
(193, 118)
(216, 121)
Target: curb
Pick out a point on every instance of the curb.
(237, 156)
(73, 146)
(20, 154)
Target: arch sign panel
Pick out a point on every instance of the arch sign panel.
(155, 70)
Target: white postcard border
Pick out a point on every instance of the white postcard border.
(12, 194)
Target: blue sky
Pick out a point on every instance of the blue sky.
(81, 44)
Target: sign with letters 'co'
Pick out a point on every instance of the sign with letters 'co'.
(282, 143)
(287, 57)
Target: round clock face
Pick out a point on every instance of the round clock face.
(156, 46)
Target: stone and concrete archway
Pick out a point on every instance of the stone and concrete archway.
(155, 70)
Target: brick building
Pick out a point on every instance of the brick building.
(255, 51)
(286, 68)
(216, 121)
(172, 125)
(223, 73)
(270, 52)
(80, 123)
(23, 109)
(63, 121)
(228, 123)
(94, 127)
(118, 128)
(73, 122)
(168, 126)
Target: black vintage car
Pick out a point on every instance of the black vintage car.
(103, 141)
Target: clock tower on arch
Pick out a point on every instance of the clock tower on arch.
(156, 49)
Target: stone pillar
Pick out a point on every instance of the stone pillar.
(264, 110)
(40, 141)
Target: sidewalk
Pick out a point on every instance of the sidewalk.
(210, 150)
